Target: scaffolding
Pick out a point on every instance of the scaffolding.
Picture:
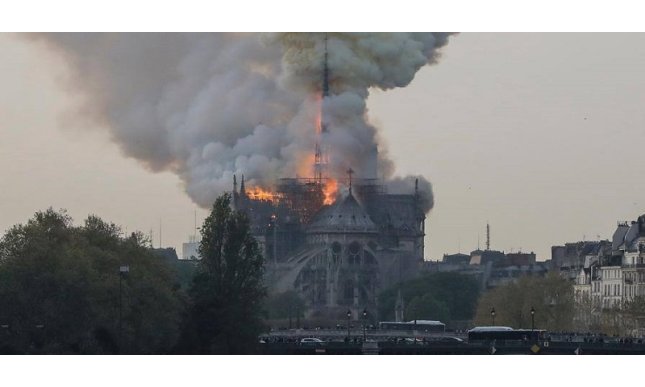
(303, 196)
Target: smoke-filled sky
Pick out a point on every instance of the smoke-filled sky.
(538, 134)
(208, 106)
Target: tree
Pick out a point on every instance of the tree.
(584, 318)
(427, 307)
(632, 319)
(438, 296)
(59, 290)
(225, 314)
(550, 296)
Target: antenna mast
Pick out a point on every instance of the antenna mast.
(487, 236)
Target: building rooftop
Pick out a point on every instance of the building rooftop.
(346, 215)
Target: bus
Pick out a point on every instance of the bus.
(504, 334)
(414, 325)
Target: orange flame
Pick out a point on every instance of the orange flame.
(306, 166)
(330, 190)
(257, 193)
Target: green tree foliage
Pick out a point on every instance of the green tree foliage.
(550, 296)
(426, 306)
(59, 290)
(585, 314)
(434, 296)
(627, 320)
(635, 310)
(225, 314)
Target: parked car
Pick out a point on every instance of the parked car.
(311, 342)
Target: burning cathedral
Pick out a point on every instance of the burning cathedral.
(289, 111)
(336, 240)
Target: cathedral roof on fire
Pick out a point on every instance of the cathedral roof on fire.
(346, 215)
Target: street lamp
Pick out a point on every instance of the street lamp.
(492, 315)
(123, 270)
(532, 319)
(364, 321)
(349, 315)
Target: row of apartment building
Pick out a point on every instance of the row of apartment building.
(606, 274)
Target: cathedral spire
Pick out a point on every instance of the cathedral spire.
(320, 154)
(325, 85)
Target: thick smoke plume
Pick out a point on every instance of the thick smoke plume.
(207, 106)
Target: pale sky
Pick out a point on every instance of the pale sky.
(541, 135)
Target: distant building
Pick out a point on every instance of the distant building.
(611, 286)
(608, 274)
(503, 275)
(190, 250)
(629, 243)
(492, 268)
(520, 259)
(482, 257)
(481, 273)
(456, 259)
(570, 258)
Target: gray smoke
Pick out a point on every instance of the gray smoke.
(406, 185)
(207, 106)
